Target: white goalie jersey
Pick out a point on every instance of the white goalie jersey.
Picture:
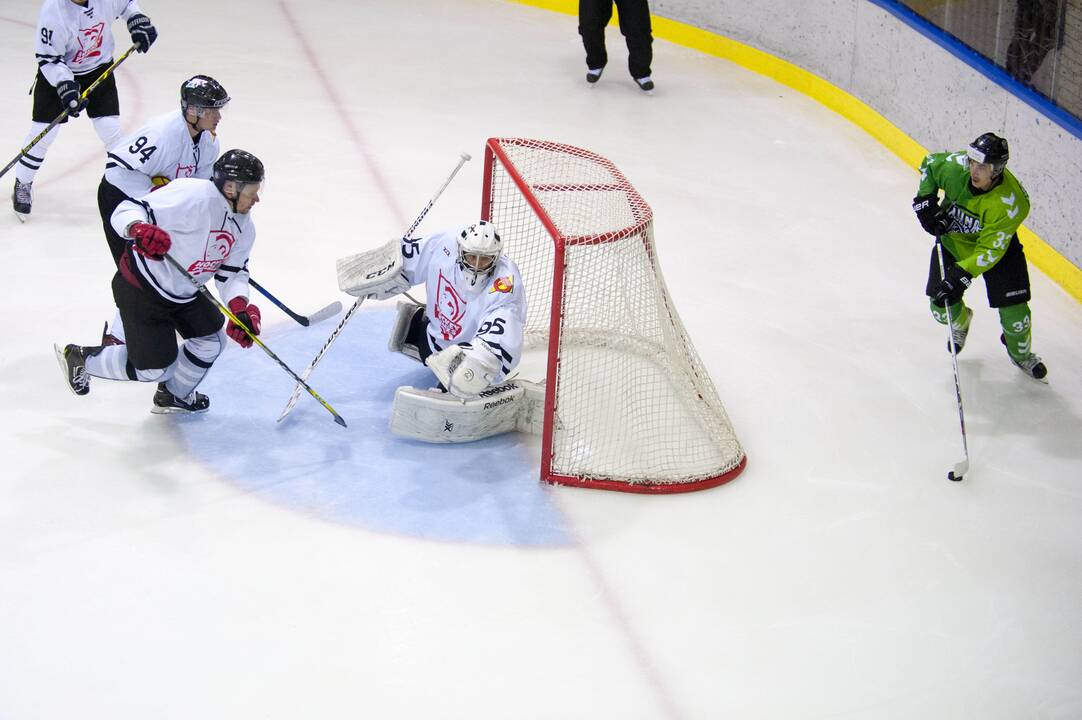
(493, 310)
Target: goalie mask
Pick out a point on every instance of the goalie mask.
(479, 248)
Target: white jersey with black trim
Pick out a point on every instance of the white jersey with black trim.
(208, 239)
(162, 147)
(493, 310)
(73, 40)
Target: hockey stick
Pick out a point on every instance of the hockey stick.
(60, 118)
(206, 293)
(960, 469)
(319, 316)
(462, 159)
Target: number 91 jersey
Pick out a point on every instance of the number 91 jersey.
(493, 309)
(161, 148)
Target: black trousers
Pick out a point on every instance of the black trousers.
(594, 15)
(103, 102)
(1007, 283)
(151, 322)
(109, 196)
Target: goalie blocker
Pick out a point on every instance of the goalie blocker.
(439, 417)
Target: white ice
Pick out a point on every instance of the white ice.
(228, 567)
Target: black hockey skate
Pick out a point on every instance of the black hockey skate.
(1031, 365)
(21, 199)
(166, 402)
(645, 84)
(72, 359)
(592, 76)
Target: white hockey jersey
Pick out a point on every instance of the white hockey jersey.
(161, 147)
(209, 239)
(75, 40)
(494, 310)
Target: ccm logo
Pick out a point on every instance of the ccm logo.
(379, 272)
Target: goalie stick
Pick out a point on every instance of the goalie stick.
(301, 383)
(60, 118)
(960, 469)
(318, 316)
(462, 159)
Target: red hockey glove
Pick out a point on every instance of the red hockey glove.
(150, 240)
(247, 314)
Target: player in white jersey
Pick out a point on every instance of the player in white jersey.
(178, 144)
(469, 332)
(205, 226)
(74, 47)
(476, 307)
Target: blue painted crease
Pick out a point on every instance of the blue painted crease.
(485, 492)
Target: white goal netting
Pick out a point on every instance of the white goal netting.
(629, 405)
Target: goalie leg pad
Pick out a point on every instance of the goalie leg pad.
(438, 417)
(531, 415)
(399, 340)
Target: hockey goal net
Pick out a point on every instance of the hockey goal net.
(628, 405)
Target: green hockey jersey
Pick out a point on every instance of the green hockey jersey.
(982, 224)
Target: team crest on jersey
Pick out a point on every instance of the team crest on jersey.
(963, 221)
(219, 244)
(503, 285)
(450, 307)
(90, 40)
(185, 171)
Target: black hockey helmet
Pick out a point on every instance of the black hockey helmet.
(202, 91)
(990, 149)
(239, 166)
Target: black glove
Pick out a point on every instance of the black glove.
(950, 289)
(932, 218)
(142, 32)
(68, 90)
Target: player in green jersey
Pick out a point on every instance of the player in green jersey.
(982, 207)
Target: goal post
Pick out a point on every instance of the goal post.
(629, 405)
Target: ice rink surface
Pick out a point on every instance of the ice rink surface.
(224, 566)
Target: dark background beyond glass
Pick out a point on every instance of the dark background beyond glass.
(1038, 42)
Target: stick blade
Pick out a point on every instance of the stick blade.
(325, 314)
(959, 471)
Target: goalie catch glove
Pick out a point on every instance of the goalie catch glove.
(375, 273)
(466, 369)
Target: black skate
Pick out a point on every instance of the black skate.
(1031, 365)
(592, 76)
(21, 199)
(72, 359)
(646, 84)
(166, 402)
